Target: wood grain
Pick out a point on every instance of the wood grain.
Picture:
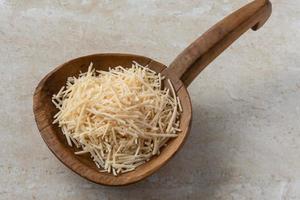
(212, 43)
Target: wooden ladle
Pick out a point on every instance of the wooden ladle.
(181, 72)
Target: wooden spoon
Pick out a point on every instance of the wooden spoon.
(181, 72)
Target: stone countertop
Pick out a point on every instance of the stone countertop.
(245, 137)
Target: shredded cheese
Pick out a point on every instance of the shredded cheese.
(121, 117)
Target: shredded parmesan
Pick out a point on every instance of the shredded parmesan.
(121, 117)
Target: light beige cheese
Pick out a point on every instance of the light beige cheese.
(121, 117)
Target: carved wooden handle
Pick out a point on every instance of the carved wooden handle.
(212, 43)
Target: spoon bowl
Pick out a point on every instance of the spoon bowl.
(83, 165)
(181, 72)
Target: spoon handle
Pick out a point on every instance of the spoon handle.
(212, 43)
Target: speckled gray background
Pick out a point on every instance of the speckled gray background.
(245, 138)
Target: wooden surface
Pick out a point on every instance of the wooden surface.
(212, 43)
(185, 67)
(44, 111)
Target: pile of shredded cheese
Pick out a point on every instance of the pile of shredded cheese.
(121, 117)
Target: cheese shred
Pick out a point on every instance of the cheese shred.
(121, 117)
